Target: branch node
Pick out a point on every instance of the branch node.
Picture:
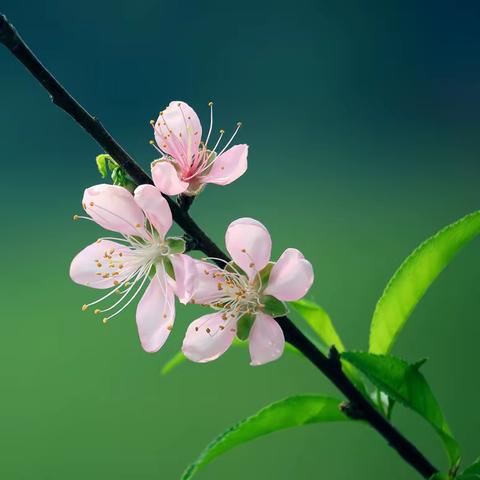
(351, 411)
(190, 243)
(334, 357)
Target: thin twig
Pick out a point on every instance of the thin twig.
(329, 366)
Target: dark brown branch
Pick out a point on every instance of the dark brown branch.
(329, 366)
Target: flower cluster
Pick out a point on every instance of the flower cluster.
(246, 294)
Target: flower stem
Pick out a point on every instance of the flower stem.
(329, 366)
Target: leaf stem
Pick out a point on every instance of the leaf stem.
(329, 366)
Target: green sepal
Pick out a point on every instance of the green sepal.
(264, 275)
(176, 244)
(169, 267)
(273, 306)
(244, 325)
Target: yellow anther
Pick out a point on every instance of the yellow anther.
(169, 327)
(151, 142)
(84, 307)
(83, 205)
(105, 320)
(222, 131)
(210, 104)
(99, 265)
(152, 122)
(137, 225)
(221, 327)
(92, 204)
(239, 124)
(116, 282)
(76, 217)
(96, 311)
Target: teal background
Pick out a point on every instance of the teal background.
(362, 119)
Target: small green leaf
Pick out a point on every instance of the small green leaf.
(406, 385)
(273, 306)
(179, 357)
(244, 325)
(320, 322)
(119, 177)
(290, 412)
(439, 476)
(176, 244)
(414, 277)
(102, 164)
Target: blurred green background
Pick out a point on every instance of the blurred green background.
(362, 120)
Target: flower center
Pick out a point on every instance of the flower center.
(237, 295)
(129, 268)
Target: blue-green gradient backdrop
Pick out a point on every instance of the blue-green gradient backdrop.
(362, 119)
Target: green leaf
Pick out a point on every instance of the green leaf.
(472, 472)
(179, 357)
(290, 412)
(320, 322)
(322, 325)
(405, 384)
(474, 468)
(439, 476)
(414, 277)
(273, 306)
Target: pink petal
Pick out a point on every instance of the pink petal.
(156, 208)
(166, 178)
(185, 276)
(178, 131)
(90, 266)
(206, 340)
(249, 244)
(291, 276)
(266, 340)
(205, 283)
(228, 166)
(156, 314)
(114, 208)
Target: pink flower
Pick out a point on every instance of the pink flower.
(140, 255)
(247, 294)
(187, 163)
